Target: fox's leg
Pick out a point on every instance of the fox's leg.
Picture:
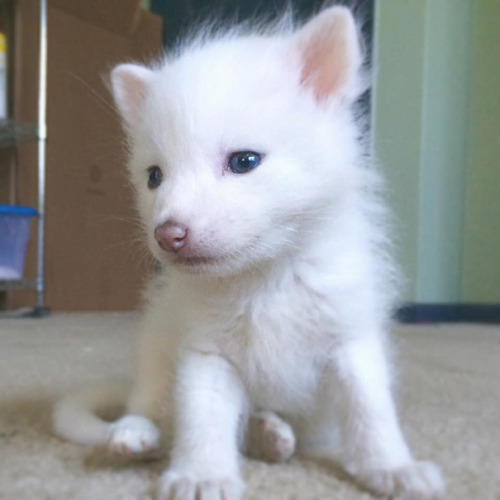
(372, 447)
(210, 400)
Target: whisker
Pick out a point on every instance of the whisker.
(105, 104)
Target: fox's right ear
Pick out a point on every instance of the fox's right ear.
(129, 84)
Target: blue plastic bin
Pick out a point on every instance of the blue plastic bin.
(15, 224)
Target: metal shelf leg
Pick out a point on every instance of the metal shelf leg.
(40, 309)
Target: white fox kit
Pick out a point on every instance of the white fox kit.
(266, 334)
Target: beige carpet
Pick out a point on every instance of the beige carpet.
(449, 397)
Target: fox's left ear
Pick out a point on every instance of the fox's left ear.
(330, 55)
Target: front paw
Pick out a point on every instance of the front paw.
(416, 481)
(181, 486)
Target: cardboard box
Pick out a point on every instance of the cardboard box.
(94, 260)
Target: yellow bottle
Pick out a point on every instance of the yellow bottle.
(3, 76)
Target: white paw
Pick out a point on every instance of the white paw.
(416, 481)
(133, 435)
(270, 438)
(177, 486)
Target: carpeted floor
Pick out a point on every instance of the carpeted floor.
(449, 397)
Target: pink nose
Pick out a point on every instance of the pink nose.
(171, 236)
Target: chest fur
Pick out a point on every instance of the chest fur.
(278, 337)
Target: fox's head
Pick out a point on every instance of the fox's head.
(241, 142)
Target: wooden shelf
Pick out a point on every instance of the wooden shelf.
(17, 284)
(11, 133)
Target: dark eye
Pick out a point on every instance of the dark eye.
(155, 177)
(243, 161)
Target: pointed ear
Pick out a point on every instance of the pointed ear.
(330, 54)
(129, 84)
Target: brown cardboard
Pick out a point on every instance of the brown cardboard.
(116, 16)
(93, 258)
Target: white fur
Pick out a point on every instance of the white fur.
(282, 299)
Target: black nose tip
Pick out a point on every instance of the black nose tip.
(171, 236)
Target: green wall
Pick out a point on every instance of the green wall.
(443, 147)
(397, 116)
(481, 266)
(436, 132)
